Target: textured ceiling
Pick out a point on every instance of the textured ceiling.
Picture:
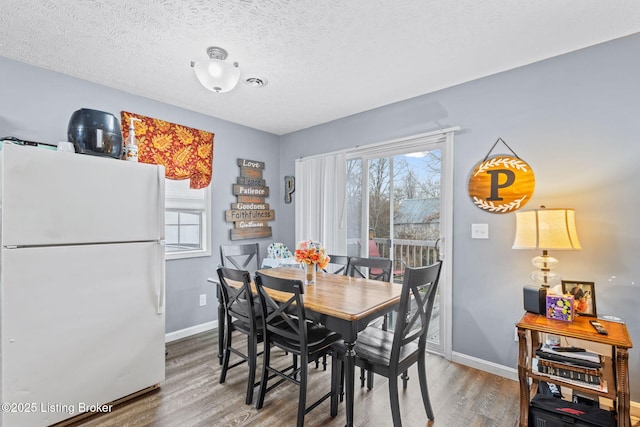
(323, 59)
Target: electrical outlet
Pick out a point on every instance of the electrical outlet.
(203, 299)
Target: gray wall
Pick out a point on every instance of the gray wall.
(36, 105)
(575, 119)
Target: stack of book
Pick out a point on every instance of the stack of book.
(583, 368)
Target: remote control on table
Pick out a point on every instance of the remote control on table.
(598, 327)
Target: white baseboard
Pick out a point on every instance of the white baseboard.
(183, 333)
(483, 365)
(509, 373)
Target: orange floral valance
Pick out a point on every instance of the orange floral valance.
(186, 153)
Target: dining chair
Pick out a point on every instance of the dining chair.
(241, 257)
(375, 268)
(243, 314)
(337, 264)
(287, 327)
(390, 353)
(371, 268)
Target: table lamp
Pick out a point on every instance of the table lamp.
(546, 229)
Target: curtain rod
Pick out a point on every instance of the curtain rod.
(376, 144)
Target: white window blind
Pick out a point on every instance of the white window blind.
(187, 220)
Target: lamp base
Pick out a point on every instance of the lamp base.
(545, 278)
(535, 299)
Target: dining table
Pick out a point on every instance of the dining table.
(345, 305)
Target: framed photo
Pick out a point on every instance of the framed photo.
(584, 296)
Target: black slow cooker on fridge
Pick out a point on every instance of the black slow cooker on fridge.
(95, 132)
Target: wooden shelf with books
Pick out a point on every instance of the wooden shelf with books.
(611, 369)
(583, 375)
(601, 389)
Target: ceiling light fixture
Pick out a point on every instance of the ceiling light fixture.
(215, 74)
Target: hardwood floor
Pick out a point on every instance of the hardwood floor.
(191, 396)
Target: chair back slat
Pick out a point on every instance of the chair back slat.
(416, 304)
(337, 264)
(286, 319)
(238, 301)
(241, 257)
(370, 268)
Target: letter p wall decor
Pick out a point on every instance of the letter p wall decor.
(501, 183)
(289, 188)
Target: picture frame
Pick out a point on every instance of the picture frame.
(584, 294)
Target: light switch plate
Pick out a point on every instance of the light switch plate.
(479, 231)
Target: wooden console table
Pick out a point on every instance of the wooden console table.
(615, 368)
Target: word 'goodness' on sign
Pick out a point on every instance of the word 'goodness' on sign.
(250, 214)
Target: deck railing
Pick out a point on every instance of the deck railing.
(406, 252)
(412, 253)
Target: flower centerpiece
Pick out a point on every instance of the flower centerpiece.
(313, 255)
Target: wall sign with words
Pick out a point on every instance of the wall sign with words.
(250, 213)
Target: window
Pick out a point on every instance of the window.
(187, 220)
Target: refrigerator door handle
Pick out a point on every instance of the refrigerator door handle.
(161, 247)
(161, 201)
(161, 291)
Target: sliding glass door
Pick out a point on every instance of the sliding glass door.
(394, 200)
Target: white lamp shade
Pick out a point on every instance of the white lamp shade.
(216, 75)
(546, 229)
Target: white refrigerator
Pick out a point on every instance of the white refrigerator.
(82, 286)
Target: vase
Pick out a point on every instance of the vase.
(311, 274)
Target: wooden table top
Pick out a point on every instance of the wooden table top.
(342, 297)
(580, 328)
